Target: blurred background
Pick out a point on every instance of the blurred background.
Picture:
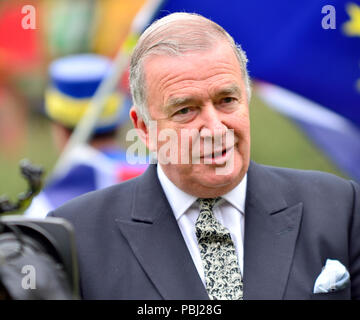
(305, 110)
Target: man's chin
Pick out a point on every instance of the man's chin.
(220, 181)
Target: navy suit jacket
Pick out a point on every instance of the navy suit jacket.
(130, 246)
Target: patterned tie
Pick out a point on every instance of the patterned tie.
(222, 274)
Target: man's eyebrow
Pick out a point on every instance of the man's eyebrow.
(178, 102)
(175, 102)
(228, 91)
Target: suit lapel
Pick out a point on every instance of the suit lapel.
(271, 229)
(157, 242)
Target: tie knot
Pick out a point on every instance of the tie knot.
(208, 203)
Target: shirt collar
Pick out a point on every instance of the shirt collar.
(181, 201)
(237, 196)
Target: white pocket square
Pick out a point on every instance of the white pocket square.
(333, 277)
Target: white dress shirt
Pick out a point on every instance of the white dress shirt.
(229, 211)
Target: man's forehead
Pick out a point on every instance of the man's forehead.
(181, 78)
(167, 52)
(194, 65)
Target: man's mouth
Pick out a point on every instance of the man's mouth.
(218, 156)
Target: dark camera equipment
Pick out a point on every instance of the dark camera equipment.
(37, 256)
(33, 175)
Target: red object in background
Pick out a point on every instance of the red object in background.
(13, 124)
(128, 172)
(19, 47)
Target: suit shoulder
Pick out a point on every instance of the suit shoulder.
(307, 175)
(310, 181)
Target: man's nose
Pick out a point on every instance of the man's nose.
(212, 123)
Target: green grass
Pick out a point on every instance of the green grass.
(275, 141)
(38, 149)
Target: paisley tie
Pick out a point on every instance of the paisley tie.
(222, 274)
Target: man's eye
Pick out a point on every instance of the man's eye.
(183, 111)
(227, 100)
(228, 104)
(185, 114)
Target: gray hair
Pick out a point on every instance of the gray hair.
(176, 34)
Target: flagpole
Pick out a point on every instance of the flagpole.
(84, 129)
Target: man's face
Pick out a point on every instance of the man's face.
(202, 92)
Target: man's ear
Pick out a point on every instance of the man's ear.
(140, 125)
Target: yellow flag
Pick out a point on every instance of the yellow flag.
(113, 23)
(352, 27)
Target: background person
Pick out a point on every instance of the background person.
(101, 163)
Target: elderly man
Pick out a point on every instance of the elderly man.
(191, 230)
